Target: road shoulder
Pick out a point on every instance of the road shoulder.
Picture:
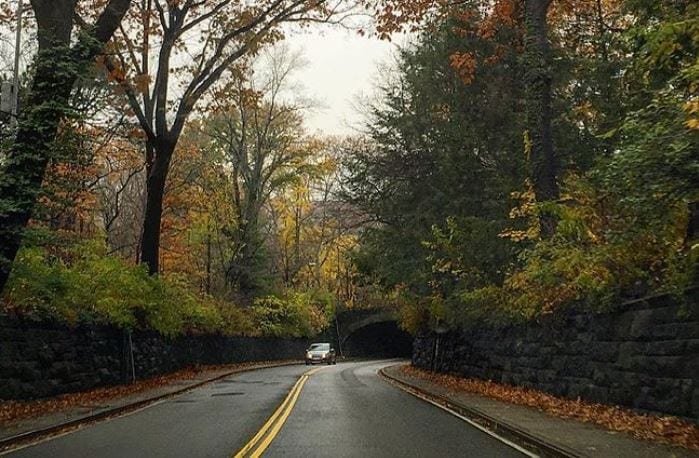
(536, 430)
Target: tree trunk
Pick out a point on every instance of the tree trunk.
(30, 154)
(241, 273)
(692, 236)
(208, 259)
(58, 66)
(155, 192)
(538, 78)
(246, 281)
(693, 223)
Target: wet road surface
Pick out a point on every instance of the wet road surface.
(345, 410)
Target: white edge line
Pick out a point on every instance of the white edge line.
(458, 415)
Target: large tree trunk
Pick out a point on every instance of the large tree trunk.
(23, 172)
(538, 108)
(155, 192)
(58, 66)
(241, 274)
(692, 236)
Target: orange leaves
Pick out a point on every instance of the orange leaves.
(465, 65)
(504, 14)
(395, 16)
(667, 429)
(142, 82)
(117, 74)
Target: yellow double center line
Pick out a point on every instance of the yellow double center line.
(271, 428)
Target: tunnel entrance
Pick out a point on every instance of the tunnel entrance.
(380, 340)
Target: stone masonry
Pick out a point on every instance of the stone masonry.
(644, 355)
(46, 359)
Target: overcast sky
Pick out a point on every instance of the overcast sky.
(341, 68)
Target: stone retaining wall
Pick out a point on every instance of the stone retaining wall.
(46, 359)
(644, 355)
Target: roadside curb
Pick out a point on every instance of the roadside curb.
(508, 431)
(9, 444)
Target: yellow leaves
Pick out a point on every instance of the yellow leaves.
(525, 209)
(585, 111)
(441, 112)
(520, 236)
(692, 109)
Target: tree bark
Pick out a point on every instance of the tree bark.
(30, 154)
(692, 235)
(155, 192)
(242, 276)
(58, 66)
(537, 55)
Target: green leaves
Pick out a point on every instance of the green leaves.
(439, 150)
(94, 288)
(446, 156)
(293, 314)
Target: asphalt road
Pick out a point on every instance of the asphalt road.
(342, 410)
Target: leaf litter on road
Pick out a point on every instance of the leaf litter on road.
(662, 429)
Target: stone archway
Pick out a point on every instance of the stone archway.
(372, 333)
(382, 339)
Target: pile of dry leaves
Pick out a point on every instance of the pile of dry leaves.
(665, 429)
(13, 411)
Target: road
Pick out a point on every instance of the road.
(345, 410)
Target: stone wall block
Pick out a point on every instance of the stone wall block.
(642, 324)
(47, 359)
(643, 355)
(687, 330)
(666, 347)
(603, 351)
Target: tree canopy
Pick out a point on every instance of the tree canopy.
(521, 158)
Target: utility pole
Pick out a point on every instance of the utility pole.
(15, 76)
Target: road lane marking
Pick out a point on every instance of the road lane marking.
(278, 426)
(127, 410)
(459, 416)
(270, 421)
(276, 421)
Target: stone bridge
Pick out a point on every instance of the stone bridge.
(371, 332)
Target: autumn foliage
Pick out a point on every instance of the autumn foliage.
(477, 225)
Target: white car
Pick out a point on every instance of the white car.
(320, 353)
